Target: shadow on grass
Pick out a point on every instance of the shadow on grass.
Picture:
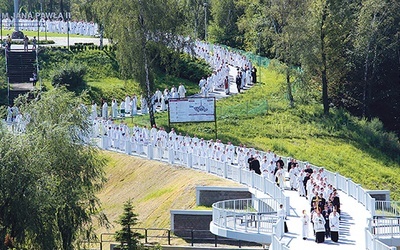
(367, 135)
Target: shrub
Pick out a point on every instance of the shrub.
(71, 75)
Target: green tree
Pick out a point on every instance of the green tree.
(148, 26)
(50, 175)
(328, 25)
(223, 28)
(129, 240)
(376, 58)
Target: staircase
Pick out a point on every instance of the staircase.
(20, 68)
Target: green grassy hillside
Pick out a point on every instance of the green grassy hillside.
(261, 118)
(154, 188)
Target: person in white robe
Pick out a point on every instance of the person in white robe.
(122, 108)
(94, 111)
(127, 104)
(293, 172)
(334, 225)
(143, 106)
(158, 96)
(133, 105)
(280, 175)
(114, 109)
(104, 111)
(9, 114)
(163, 104)
(181, 91)
(281, 213)
(300, 178)
(304, 222)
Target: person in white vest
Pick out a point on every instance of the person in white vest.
(334, 225)
(319, 226)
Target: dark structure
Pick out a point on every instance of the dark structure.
(21, 72)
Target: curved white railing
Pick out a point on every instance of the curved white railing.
(248, 215)
(249, 178)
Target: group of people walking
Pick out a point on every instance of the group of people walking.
(132, 105)
(323, 199)
(221, 59)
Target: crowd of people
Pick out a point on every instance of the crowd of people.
(17, 119)
(312, 184)
(323, 199)
(221, 59)
(132, 105)
(54, 25)
(309, 183)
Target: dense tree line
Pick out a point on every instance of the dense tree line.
(349, 50)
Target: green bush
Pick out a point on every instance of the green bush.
(71, 75)
(178, 64)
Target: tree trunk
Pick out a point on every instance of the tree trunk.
(325, 99)
(146, 69)
(366, 62)
(289, 87)
(366, 95)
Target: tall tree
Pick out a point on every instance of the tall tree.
(324, 55)
(223, 28)
(141, 29)
(376, 57)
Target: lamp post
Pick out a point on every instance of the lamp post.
(205, 21)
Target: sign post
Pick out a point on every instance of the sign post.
(193, 109)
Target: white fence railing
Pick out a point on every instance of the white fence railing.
(248, 215)
(387, 208)
(249, 178)
(372, 241)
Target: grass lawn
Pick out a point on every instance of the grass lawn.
(261, 118)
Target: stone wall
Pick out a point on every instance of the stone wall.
(206, 196)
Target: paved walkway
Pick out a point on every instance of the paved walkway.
(352, 225)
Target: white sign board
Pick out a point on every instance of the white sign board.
(192, 110)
